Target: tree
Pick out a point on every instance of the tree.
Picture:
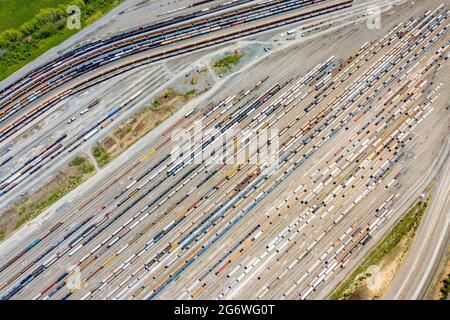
(28, 27)
(9, 38)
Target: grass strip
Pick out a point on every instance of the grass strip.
(409, 223)
(21, 44)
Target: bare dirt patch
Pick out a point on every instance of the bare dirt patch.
(144, 120)
(380, 276)
(371, 279)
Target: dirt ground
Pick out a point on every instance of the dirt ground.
(434, 293)
(139, 124)
(381, 275)
(150, 116)
(31, 205)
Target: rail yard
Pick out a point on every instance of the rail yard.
(291, 165)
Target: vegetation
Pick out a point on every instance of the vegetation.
(189, 94)
(157, 102)
(22, 41)
(140, 123)
(164, 97)
(77, 161)
(101, 156)
(168, 94)
(227, 62)
(29, 213)
(14, 13)
(407, 225)
(194, 80)
(85, 166)
(445, 289)
(29, 207)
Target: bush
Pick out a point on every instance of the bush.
(78, 161)
(445, 288)
(10, 38)
(189, 94)
(28, 28)
(84, 165)
(47, 28)
(227, 62)
(101, 156)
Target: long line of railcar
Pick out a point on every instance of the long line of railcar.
(312, 132)
(30, 115)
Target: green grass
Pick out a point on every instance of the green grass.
(32, 30)
(163, 98)
(194, 80)
(227, 62)
(101, 156)
(14, 13)
(409, 223)
(42, 47)
(78, 161)
(2, 234)
(85, 166)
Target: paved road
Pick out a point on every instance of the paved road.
(430, 243)
(153, 10)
